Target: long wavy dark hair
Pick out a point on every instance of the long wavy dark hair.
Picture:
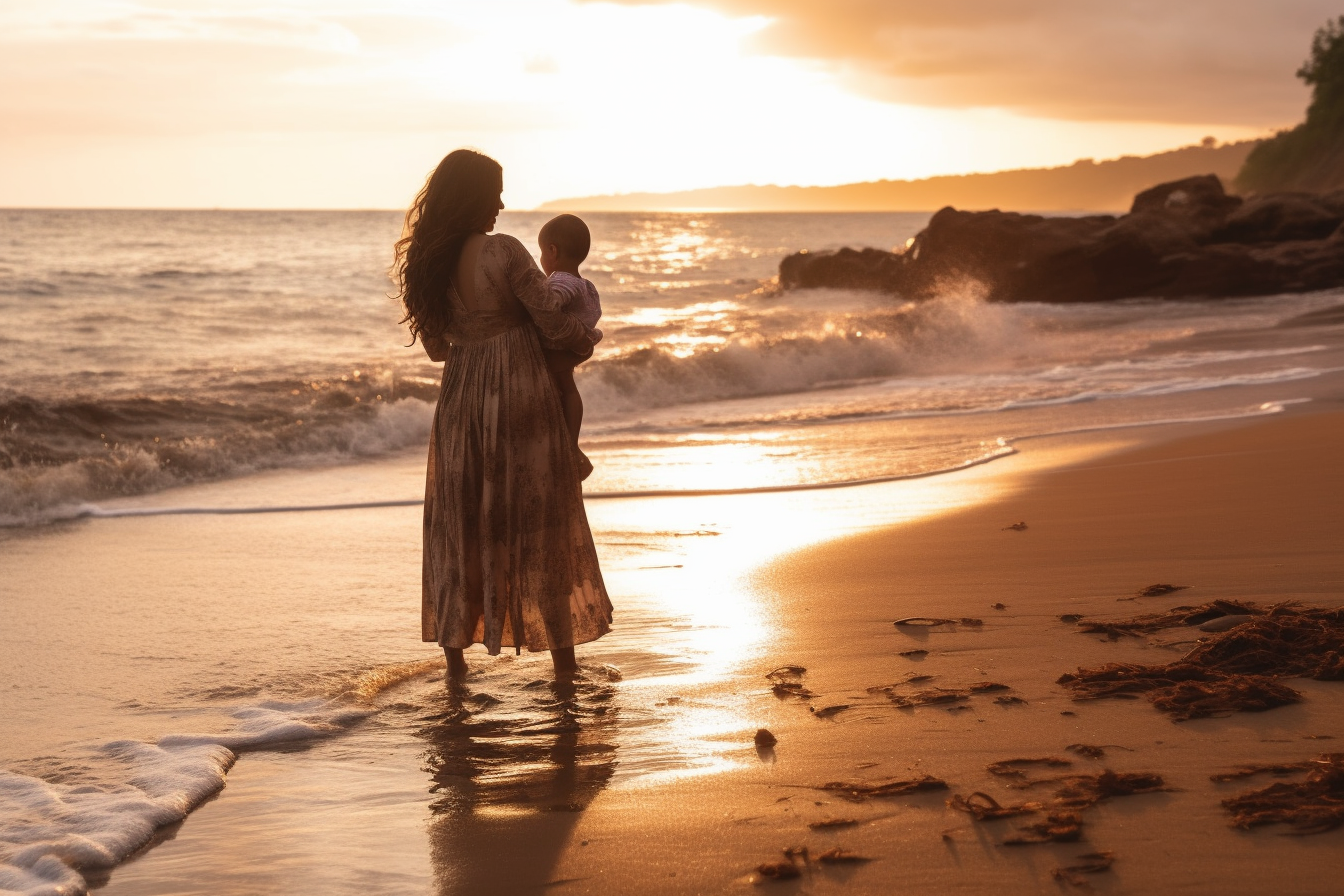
(459, 199)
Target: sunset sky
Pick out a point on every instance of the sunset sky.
(348, 103)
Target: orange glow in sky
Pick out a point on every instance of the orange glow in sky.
(348, 103)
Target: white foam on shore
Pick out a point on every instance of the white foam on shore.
(50, 832)
(1002, 448)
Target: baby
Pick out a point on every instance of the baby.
(564, 245)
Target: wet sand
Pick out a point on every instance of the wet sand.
(652, 784)
(1251, 513)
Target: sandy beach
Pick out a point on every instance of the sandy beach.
(648, 780)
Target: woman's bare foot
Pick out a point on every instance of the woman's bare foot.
(457, 663)
(566, 666)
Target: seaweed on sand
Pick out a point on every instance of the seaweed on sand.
(1017, 768)
(1173, 618)
(1311, 806)
(1160, 589)
(1277, 769)
(985, 808)
(1235, 671)
(1075, 793)
(1079, 792)
(1085, 791)
(1059, 827)
(935, 621)
(1093, 751)
(786, 681)
(837, 856)
(778, 870)
(859, 792)
(1092, 863)
(935, 696)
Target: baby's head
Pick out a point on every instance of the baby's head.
(564, 244)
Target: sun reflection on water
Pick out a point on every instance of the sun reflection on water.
(661, 316)
(692, 628)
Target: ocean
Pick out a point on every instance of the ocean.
(144, 350)
(161, 369)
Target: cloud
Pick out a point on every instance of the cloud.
(99, 70)
(1228, 62)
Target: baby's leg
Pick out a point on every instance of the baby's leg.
(561, 366)
(572, 402)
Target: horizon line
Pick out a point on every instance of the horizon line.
(540, 207)
(240, 208)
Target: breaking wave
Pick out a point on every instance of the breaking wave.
(56, 455)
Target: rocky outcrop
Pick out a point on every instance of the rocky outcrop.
(1185, 239)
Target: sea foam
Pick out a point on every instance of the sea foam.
(51, 832)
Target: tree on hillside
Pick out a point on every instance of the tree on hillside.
(1311, 155)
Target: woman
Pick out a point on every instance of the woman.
(508, 556)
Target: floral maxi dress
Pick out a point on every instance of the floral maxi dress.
(508, 556)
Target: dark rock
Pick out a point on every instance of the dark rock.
(1201, 196)
(997, 247)
(1184, 239)
(842, 269)
(1279, 217)
(1333, 202)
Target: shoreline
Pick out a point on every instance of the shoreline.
(1008, 448)
(705, 830)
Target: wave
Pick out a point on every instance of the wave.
(1174, 386)
(955, 396)
(791, 351)
(50, 832)
(1003, 447)
(965, 348)
(28, 287)
(58, 455)
(826, 358)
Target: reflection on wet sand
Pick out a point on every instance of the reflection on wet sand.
(513, 762)
(509, 776)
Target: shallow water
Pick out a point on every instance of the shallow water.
(268, 632)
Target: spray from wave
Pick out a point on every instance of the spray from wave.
(56, 454)
(792, 349)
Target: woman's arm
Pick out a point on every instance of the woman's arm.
(559, 329)
(436, 347)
